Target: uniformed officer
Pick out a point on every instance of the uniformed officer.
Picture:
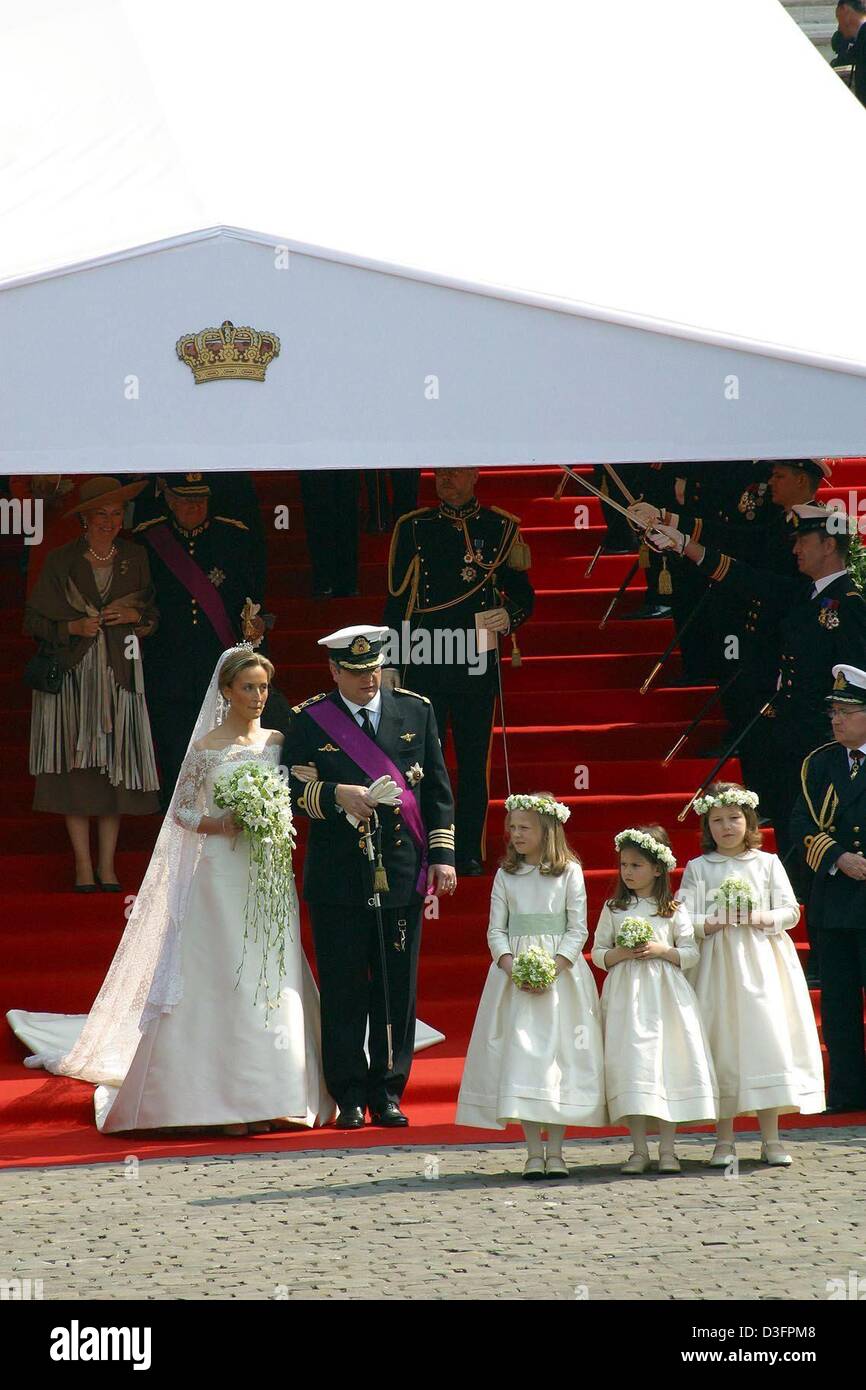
(829, 823)
(457, 572)
(204, 572)
(338, 746)
(760, 535)
(821, 621)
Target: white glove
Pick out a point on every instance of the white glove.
(384, 792)
(663, 537)
(643, 514)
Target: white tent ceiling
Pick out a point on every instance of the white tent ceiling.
(678, 174)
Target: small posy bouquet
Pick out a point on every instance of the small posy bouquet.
(735, 895)
(534, 968)
(634, 931)
(260, 800)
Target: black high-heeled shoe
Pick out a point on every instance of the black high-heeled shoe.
(84, 888)
(106, 887)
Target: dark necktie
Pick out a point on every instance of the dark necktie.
(856, 759)
(367, 724)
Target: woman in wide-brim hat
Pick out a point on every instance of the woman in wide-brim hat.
(91, 750)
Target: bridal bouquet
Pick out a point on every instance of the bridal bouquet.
(634, 931)
(735, 894)
(534, 968)
(260, 800)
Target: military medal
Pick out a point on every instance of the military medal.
(468, 573)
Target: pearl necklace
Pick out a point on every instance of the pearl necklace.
(110, 556)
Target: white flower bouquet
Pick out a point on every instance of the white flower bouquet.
(735, 895)
(260, 801)
(634, 931)
(534, 968)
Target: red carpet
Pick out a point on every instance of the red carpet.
(573, 703)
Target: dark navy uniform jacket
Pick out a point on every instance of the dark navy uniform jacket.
(446, 565)
(829, 819)
(336, 868)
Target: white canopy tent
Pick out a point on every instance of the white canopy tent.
(551, 240)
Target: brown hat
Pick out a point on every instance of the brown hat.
(96, 492)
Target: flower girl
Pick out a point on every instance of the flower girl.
(750, 985)
(657, 1064)
(535, 1056)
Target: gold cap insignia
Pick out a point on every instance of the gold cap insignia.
(840, 682)
(360, 646)
(228, 353)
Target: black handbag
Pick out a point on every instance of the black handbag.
(43, 671)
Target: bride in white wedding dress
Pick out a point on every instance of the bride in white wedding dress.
(175, 1036)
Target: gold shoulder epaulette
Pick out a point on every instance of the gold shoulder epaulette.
(146, 525)
(296, 709)
(407, 516)
(233, 521)
(398, 690)
(502, 512)
(819, 749)
(853, 593)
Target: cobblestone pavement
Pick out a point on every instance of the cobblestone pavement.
(457, 1223)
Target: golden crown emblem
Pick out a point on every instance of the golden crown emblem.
(360, 646)
(228, 353)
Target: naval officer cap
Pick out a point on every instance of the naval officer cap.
(849, 686)
(808, 517)
(356, 648)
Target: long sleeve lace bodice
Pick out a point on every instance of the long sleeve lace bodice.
(202, 767)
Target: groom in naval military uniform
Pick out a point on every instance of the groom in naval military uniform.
(829, 822)
(338, 745)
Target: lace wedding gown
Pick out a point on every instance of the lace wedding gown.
(212, 1059)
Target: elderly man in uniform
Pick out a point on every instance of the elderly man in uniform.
(358, 754)
(457, 572)
(205, 573)
(821, 620)
(829, 821)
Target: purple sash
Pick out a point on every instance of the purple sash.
(375, 762)
(184, 568)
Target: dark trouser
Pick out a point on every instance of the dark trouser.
(469, 711)
(330, 500)
(350, 980)
(781, 789)
(171, 724)
(843, 979)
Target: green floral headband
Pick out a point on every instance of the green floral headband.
(653, 847)
(542, 804)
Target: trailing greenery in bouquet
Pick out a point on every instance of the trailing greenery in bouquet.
(260, 801)
(533, 968)
(634, 932)
(735, 897)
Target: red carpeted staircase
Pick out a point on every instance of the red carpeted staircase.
(572, 704)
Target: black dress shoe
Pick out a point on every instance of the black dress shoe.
(391, 1116)
(470, 869)
(84, 888)
(350, 1117)
(106, 886)
(324, 592)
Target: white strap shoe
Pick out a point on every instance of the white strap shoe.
(722, 1155)
(555, 1166)
(776, 1155)
(638, 1163)
(669, 1163)
(533, 1169)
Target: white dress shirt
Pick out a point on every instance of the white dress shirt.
(373, 708)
